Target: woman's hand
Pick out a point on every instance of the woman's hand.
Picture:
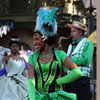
(74, 74)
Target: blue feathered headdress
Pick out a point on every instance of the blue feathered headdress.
(46, 22)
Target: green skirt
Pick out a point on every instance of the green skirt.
(59, 95)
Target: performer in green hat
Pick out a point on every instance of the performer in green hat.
(80, 52)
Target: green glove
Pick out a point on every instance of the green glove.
(74, 74)
(31, 89)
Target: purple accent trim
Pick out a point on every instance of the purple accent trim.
(26, 64)
(41, 74)
(3, 71)
(76, 25)
(50, 68)
(36, 80)
(23, 75)
(53, 84)
(43, 82)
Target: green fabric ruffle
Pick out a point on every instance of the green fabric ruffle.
(59, 95)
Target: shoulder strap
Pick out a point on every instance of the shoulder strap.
(58, 58)
(61, 66)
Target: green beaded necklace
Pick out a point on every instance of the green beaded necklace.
(47, 55)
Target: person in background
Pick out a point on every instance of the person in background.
(80, 52)
(45, 66)
(13, 85)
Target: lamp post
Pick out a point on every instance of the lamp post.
(89, 5)
(90, 18)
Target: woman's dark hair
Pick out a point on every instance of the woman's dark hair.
(36, 32)
(51, 40)
(14, 39)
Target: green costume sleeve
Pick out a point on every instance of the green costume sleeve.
(31, 89)
(33, 57)
(75, 74)
(30, 60)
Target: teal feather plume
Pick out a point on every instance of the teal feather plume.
(46, 16)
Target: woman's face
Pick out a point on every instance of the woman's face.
(38, 42)
(14, 48)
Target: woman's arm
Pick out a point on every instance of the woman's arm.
(75, 72)
(69, 64)
(5, 60)
(31, 79)
(31, 71)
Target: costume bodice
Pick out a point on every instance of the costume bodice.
(46, 75)
(15, 66)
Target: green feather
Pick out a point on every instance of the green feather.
(50, 16)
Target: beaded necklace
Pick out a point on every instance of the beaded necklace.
(47, 55)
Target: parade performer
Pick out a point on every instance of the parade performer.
(80, 52)
(13, 85)
(45, 66)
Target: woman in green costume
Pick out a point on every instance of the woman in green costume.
(45, 66)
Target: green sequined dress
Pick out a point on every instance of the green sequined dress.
(46, 75)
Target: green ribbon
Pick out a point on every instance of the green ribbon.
(80, 25)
